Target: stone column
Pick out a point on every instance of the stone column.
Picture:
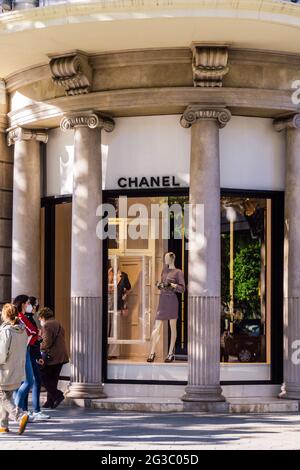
(6, 186)
(86, 264)
(291, 386)
(26, 238)
(204, 284)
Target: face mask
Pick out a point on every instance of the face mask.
(29, 308)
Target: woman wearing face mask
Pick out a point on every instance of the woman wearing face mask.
(24, 305)
(36, 362)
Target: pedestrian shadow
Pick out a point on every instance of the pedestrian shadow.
(100, 427)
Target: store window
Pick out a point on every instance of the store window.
(246, 280)
(251, 290)
(251, 285)
(134, 268)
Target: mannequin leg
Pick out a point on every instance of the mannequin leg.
(155, 335)
(173, 327)
(114, 349)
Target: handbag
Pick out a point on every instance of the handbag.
(46, 356)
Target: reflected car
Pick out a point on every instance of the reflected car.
(245, 341)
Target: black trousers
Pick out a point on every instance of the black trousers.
(50, 377)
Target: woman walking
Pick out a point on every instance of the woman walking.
(33, 360)
(55, 351)
(13, 345)
(37, 362)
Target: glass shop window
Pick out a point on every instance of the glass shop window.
(245, 280)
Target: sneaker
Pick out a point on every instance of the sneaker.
(23, 423)
(39, 416)
(4, 430)
(30, 417)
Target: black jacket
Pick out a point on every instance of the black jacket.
(123, 286)
(34, 349)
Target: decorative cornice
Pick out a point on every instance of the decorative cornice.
(87, 119)
(73, 72)
(155, 101)
(209, 64)
(195, 112)
(19, 133)
(290, 122)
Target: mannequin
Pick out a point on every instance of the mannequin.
(123, 287)
(172, 281)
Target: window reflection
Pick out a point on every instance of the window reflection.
(245, 279)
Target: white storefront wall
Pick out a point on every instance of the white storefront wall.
(251, 153)
(251, 157)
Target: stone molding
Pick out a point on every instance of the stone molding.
(3, 123)
(209, 64)
(290, 122)
(143, 102)
(285, 13)
(195, 112)
(87, 119)
(73, 72)
(20, 134)
(105, 61)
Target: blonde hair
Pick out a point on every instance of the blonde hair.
(10, 314)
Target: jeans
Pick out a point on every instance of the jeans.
(36, 387)
(32, 380)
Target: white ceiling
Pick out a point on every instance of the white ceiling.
(27, 37)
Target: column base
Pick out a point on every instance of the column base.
(203, 393)
(290, 391)
(206, 406)
(85, 390)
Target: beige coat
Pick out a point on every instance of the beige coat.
(13, 345)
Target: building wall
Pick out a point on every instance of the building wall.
(252, 153)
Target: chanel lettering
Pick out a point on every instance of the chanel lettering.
(148, 182)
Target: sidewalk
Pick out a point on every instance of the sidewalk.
(75, 428)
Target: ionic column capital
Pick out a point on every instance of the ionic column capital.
(290, 122)
(19, 133)
(87, 119)
(194, 112)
